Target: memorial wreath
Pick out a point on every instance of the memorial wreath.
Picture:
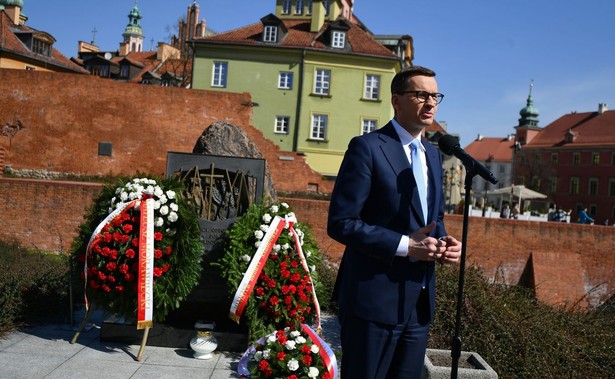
(115, 238)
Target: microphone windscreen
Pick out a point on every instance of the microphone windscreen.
(447, 144)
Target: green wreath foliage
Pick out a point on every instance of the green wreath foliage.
(111, 265)
(282, 295)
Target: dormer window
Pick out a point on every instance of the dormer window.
(270, 33)
(286, 7)
(299, 7)
(309, 6)
(41, 47)
(338, 39)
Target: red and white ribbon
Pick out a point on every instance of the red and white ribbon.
(292, 220)
(145, 285)
(242, 295)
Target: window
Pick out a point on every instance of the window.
(319, 126)
(338, 39)
(593, 186)
(281, 124)
(322, 81)
(41, 47)
(285, 80)
(372, 87)
(165, 83)
(612, 187)
(299, 7)
(613, 159)
(124, 71)
(595, 159)
(30, 68)
(327, 6)
(553, 158)
(576, 159)
(219, 76)
(574, 186)
(553, 185)
(286, 6)
(309, 6)
(270, 34)
(368, 125)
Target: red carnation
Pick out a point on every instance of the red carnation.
(158, 236)
(285, 273)
(260, 291)
(292, 377)
(295, 277)
(94, 284)
(127, 228)
(130, 253)
(294, 264)
(119, 288)
(157, 272)
(305, 349)
(326, 376)
(168, 250)
(135, 242)
(263, 364)
(123, 268)
(281, 356)
(307, 360)
(157, 253)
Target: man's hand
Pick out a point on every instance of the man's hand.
(453, 250)
(425, 248)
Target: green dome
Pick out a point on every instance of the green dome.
(18, 3)
(133, 27)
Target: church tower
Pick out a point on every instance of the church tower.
(528, 123)
(133, 34)
(189, 29)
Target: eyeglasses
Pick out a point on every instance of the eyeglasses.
(422, 96)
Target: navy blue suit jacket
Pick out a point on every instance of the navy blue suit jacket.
(374, 202)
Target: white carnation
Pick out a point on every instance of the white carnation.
(264, 228)
(172, 217)
(314, 349)
(290, 345)
(286, 246)
(164, 210)
(285, 205)
(274, 209)
(293, 365)
(313, 372)
(300, 340)
(158, 191)
(257, 244)
(276, 248)
(267, 218)
(157, 204)
(159, 221)
(245, 258)
(163, 199)
(259, 234)
(123, 196)
(295, 334)
(174, 207)
(171, 194)
(258, 356)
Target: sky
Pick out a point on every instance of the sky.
(485, 52)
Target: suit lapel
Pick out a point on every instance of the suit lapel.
(396, 156)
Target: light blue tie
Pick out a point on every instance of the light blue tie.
(419, 175)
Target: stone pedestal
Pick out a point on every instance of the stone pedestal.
(471, 366)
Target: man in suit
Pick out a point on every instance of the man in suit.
(387, 207)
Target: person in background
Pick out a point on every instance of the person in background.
(387, 207)
(584, 217)
(505, 213)
(515, 212)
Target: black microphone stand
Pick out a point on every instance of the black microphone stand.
(456, 347)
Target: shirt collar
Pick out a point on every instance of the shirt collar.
(404, 137)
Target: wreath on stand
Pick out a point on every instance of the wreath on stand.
(278, 256)
(105, 253)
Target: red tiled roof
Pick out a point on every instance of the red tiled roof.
(499, 149)
(299, 36)
(590, 128)
(11, 43)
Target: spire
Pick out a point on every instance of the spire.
(529, 114)
(133, 34)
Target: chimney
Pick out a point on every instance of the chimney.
(318, 16)
(602, 107)
(479, 137)
(13, 11)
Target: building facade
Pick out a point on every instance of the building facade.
(317, 79)
(25, 48)
(572, 160)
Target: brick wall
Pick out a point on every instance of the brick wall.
(562, 262)
(43, 214)
(66, 116)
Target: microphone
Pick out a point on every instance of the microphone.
(449, 145)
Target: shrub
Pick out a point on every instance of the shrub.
(34, 287)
